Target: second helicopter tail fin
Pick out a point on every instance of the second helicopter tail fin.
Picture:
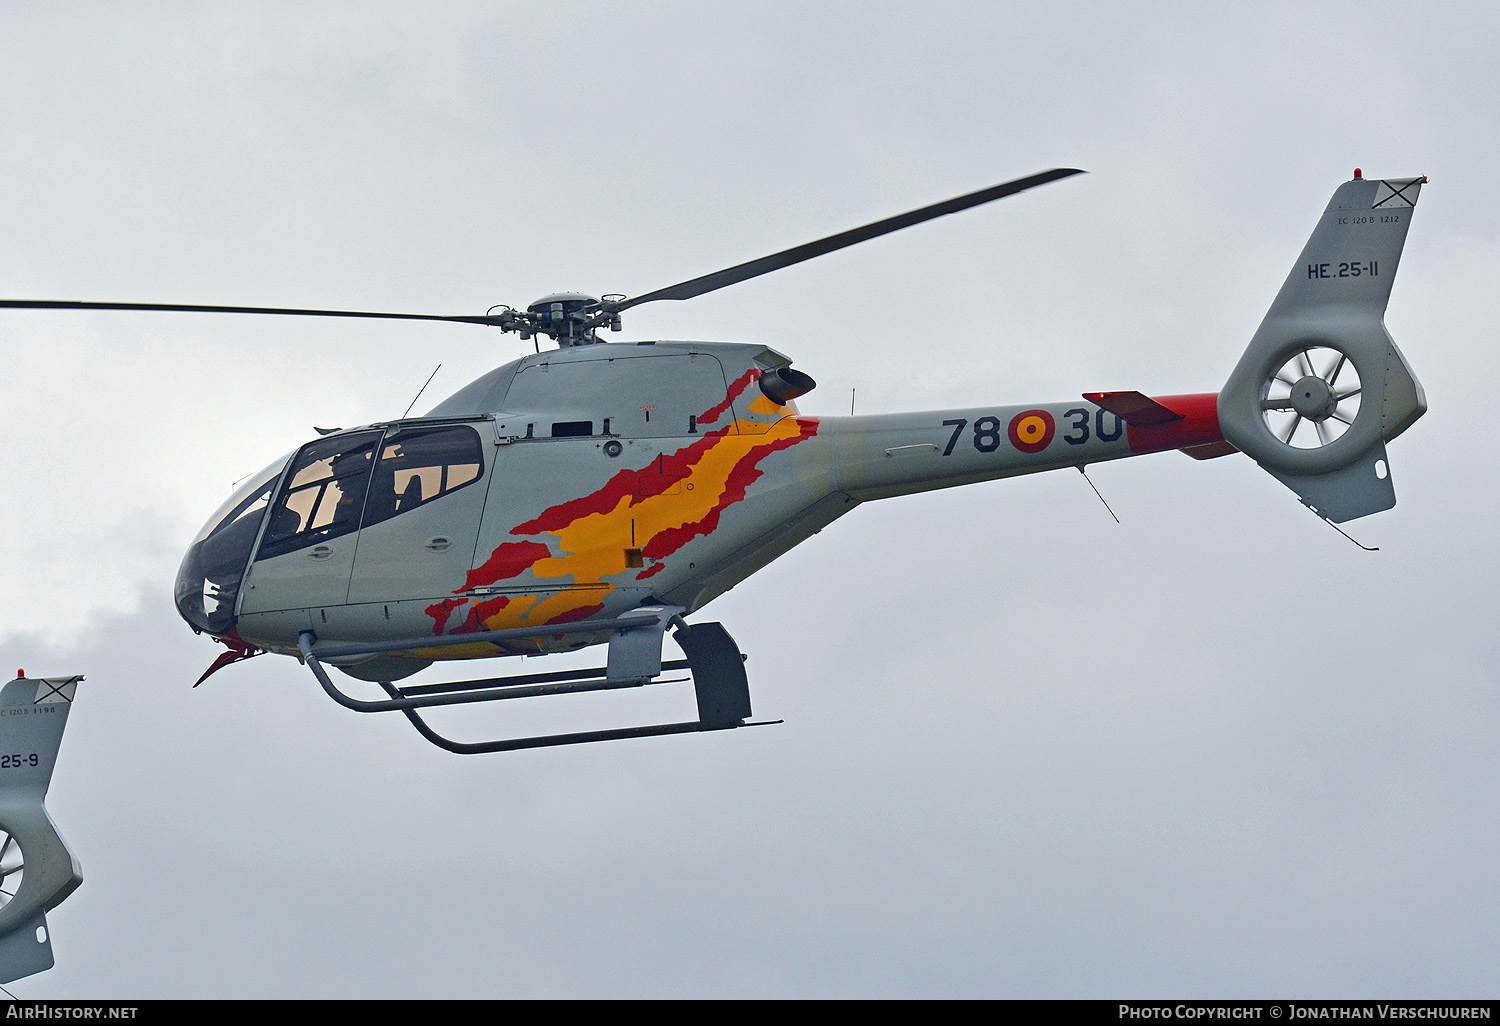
(37, 871)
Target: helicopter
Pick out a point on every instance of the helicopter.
(601, 493)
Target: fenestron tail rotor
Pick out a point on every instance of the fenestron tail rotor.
(12, 866)
(572, 318)
(1312, 398)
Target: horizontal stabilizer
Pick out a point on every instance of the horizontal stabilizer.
(1211, 451)
(1134, 408)
(1186, 422)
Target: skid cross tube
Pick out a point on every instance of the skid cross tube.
(717, 667)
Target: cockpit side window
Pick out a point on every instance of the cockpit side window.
(420, 465)
(323, 495)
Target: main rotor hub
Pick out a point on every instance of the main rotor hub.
(569, 318)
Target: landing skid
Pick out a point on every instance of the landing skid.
(715, 663)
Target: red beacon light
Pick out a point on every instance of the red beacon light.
(1358, 174)
(20, 675)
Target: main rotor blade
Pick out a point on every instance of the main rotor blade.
(56, 304)
(797, 254)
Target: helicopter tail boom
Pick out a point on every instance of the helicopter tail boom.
(1322, 387)
(884, 455)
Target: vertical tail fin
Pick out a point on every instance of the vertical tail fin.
(37, 871)
(1322, 387)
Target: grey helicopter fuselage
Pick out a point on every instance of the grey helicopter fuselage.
(585, 482)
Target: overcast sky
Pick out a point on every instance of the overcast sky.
(1212, 750)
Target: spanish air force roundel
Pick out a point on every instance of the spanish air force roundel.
(1031, 430)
